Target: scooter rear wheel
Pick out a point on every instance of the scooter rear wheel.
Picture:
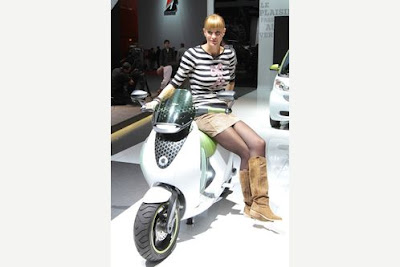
(152, 240)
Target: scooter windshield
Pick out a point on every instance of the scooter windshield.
(174, 114)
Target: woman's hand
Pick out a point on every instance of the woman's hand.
(151, 106)
(165, 93)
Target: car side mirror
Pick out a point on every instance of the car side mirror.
(226, 95)
(274, 67)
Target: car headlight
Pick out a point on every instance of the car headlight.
(281, 85)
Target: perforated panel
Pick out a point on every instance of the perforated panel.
(166, 150)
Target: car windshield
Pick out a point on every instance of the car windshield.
(285, 67)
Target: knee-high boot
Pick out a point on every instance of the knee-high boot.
(245, 184)
(260, 208)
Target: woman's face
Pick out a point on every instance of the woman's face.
(214, 36)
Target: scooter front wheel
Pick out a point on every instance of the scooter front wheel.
(152, 239)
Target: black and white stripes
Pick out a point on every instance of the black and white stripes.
(207, 74)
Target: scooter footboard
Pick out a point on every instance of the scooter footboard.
(157, 194)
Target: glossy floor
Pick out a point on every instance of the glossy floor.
(222, 235)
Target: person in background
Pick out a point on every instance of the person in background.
(180, 53)
(158, 52)
(165, 72)
(210, 68)
(120, 83)
(153, 62)
(167, 55)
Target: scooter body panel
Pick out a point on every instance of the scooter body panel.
(222, 163)
(183, 172)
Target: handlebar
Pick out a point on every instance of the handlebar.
(206, 109)
(227, 96)
(199, 110)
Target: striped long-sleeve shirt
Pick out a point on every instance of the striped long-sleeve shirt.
(207, 74)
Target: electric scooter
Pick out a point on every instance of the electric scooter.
(187, 171)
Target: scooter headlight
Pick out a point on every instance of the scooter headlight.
(166, 128)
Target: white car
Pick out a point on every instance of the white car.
(279, 97)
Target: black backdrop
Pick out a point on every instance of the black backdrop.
(115, 37)
(281, 38)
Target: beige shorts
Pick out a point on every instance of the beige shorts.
(215, 123)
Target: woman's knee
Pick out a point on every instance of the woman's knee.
(259, 144)
(258, 147)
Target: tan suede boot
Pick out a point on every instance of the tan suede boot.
(259, 189)
(245, 184)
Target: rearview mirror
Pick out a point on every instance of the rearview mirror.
(226, 95)
(138, 95)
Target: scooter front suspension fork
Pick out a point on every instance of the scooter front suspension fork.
(172, 209)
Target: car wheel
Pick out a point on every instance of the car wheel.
(274, 124)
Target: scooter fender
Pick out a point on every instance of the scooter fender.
(156, 194)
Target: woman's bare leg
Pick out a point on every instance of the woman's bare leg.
(254, 142)
(231, 140)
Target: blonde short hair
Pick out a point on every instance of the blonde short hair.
(214, 21)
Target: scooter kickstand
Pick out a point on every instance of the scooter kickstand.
(227, 185)
(190, 221)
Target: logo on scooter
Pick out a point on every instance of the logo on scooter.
(163, 161)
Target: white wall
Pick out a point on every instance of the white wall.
(210, 7)
(185, 26)
(268, 10)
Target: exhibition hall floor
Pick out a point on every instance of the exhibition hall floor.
(222, 235)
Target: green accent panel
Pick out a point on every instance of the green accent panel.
(216, 110)
(208, 144)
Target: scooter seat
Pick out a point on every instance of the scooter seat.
(208, 144)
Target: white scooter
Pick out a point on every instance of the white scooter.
(186, 170)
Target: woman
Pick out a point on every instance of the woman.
(211, 68)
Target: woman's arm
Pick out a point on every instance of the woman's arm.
(167, 92)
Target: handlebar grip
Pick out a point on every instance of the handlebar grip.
(216, 110)
(144, 109)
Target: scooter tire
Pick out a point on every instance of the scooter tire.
(152, 242)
